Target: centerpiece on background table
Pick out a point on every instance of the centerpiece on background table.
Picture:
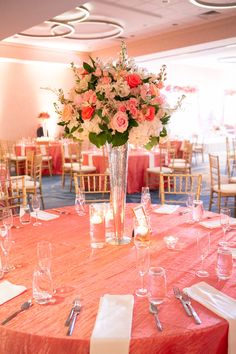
(115, 103)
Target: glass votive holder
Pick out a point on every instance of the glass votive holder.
(109, 221)
(42, 286)
(224, 267)
(141, 231)
(197, 210)
(97, 225)
(171, 241)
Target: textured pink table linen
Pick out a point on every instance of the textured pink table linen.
(138, 162)
(79, 270)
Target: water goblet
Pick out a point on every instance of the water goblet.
(198, 210)
(6, 244)
(156, 285)
(142, 259)
(203, 247)
(146, 200)
(7, 218)
(80, 203)
(224, 222)
(189, 205)
(35, 202)
(25, 217)
(44, 253)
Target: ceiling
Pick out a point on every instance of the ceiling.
(138, 20)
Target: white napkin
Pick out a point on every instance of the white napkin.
(112, 330)
(43, 215)
(213, 224)
(219, 303)
(166, 209)
(9, 290)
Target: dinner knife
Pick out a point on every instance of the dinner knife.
(73, 319)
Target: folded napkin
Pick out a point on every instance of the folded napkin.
(112, 330)
(219, 303)
(166, 209)
(213, 224)
(9, 290)
(43, 215)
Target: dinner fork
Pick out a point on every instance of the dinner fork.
(187, 301)
(178, 296)
(76, 311)
(25, 306)
(76, 302)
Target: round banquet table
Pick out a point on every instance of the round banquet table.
(90, 273)
(138, 162)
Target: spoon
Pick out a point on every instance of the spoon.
(23, 307)
(153, 309)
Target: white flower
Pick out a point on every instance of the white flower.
(121, 88)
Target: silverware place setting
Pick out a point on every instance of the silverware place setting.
(25, 306)
(71, 319)
(154, 310)
(179, 296)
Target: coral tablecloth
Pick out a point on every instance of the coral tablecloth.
(54, 151)
(138, 162)
(81, 271)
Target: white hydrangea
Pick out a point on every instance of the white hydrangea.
(140, 135)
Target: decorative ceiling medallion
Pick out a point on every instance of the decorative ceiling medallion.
(80, 13)
(115, 31)
(68, 29)
(67, 24)
(214, 5)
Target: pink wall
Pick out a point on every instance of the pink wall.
(22, 99)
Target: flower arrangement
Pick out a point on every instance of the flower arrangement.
(115, 103)
(43, 115)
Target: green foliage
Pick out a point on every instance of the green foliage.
(154, 140)
(88, 67)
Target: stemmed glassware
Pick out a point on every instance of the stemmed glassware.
(143, 260)
(6, 244)
(80, 203)
(35, 202)
(146, 200)
(189, 205)
(203, 247)
(224, 221)
(7, 218)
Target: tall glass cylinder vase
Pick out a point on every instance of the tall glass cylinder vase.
(118, 159)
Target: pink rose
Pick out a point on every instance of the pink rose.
(90, 97)
(121, 107)
(149, 113)
(133, 80)
(119, 122)
(105, 80)
(87, 112)
(67, 112)
(98, 72)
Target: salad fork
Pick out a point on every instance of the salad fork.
(178, 296)
(25, 306)
(76, 302)
(187, 301)
(76, 311)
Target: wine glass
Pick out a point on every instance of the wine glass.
(146, 200)
(35, 202)
(189, 205)
(7, 218)
(80, 203)
(203, 247)
(224, 222)
(6, 244)
(143, 259)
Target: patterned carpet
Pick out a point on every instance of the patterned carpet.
(56, 196)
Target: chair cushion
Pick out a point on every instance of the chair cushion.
(177, 161)
(232, 180)
(84, 168)
(46, 158)
(179, 165)
(18, 158)
(229, 188)
(159, 169)
(27, 178)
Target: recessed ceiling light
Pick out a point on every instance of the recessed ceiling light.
(214, 5)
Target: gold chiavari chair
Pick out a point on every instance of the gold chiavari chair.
(95, 186)
(174, 188)
(152, 174)
(218, 189)
(12, 194)
(184, 164)
(43, 149)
